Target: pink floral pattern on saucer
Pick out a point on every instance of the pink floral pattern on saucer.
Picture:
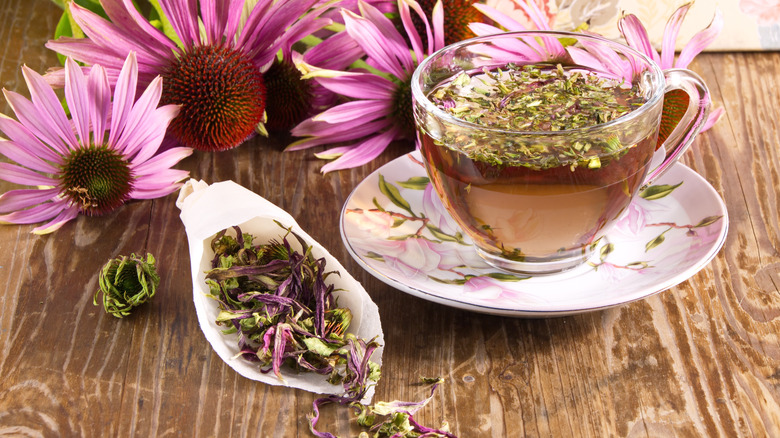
(395, 227)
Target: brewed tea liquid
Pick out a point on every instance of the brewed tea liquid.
(530, 208)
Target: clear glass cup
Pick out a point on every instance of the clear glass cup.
(537, 201)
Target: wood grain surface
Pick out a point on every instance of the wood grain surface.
(701, 359)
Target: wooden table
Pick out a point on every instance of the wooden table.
(700, 359)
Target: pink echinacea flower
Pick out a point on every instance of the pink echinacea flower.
(106, 155)
(379, 106)
(636, 37)
(213, 66)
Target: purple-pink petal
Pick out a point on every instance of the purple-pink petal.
(84, 50)
(271, 28)
(437, 19)
(344, 131)
(383, 44)
(118, 40)
(146, 38)
(140, 120)
(77, 99)
(482, 29)
(700, 41)
(124, 96)
(35, 214)
(500, 18)
(100, 92)
(29, 117)
(363, 152)
(13, 200)
(335, 52)
(48, 106)
(147, 142)
(55, 224)
(183, 16)
(162, 161)
(636, 36)
(411, 30)
(160, 191)
(671, 31)
(20, 175)
(713, 118)
(21, 135)
(358, 110)
(360, 85)
(25, 157)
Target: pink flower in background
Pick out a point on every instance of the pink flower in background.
(767, 12)
(213, 65)
(378, 109)
(636, 37)
(105, 156)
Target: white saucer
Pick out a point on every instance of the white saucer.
(663, 239)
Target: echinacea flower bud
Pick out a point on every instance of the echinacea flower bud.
(127, 282)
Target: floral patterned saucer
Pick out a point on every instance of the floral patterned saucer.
(395, 227)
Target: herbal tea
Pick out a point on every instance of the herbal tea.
(523, 197)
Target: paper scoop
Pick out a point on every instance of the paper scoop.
(209, 209)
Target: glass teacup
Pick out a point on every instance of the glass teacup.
(536, 142)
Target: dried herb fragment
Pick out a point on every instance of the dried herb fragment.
(278, 302)
(384, 419)
(531, 99)
(126, 282)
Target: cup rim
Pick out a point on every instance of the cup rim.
(420, 97)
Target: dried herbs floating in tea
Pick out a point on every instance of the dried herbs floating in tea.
(531, 99)
(536, 98)
(126, 282)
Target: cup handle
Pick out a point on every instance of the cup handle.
(689, 120)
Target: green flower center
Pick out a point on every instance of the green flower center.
(222, 97)
(289, 96)
(97, 178)
(403, 112)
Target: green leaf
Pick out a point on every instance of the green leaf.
(505, 277)
(637, 265)
(224, 315)
(376, 204)
(397, 223)
(394, 195)
(606, 250)
(319, 347)
(658, 191)
(402, 237)
(657, 241)
(457, 281)
(415, 183)
(709, 220)
(441, 235)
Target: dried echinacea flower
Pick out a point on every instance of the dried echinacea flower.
(127, 282)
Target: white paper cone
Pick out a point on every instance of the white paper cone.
(209, 209)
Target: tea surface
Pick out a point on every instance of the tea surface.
(536, 98)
